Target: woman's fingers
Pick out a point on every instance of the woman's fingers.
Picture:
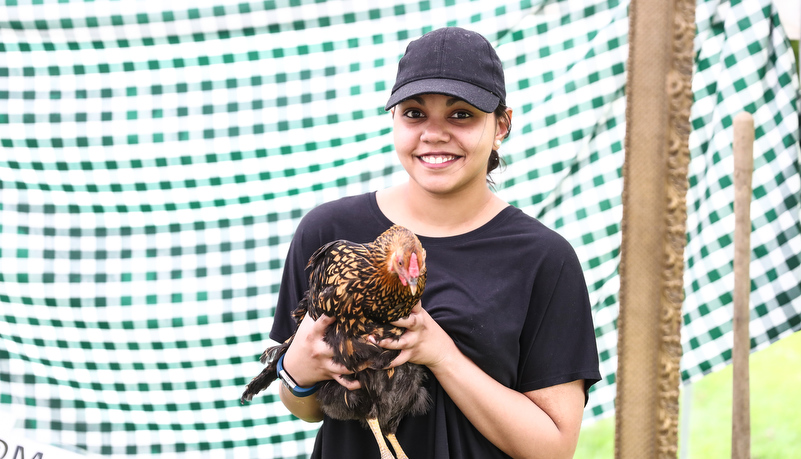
(424, 342)
(322, 323)
(347, 383)
(310, 359)
(413, 319)
(402, 358)
(319, 353)
(413, 323)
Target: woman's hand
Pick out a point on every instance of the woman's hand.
(309, 359)
(513, 421)
(424, 342)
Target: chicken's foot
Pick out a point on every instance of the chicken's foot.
(379, 438)
(396, 446)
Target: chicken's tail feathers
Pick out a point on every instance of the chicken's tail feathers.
(256, 385)
(302, 309)
(271, 355)
(268, 374)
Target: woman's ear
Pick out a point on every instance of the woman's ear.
(504, 123)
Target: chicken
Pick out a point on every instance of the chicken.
(364, 287)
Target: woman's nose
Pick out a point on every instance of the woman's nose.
(434, 132)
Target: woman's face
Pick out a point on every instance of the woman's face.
(444, 143)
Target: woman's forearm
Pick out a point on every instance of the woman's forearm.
(309, 361)
(540, 423)
(305, 408)
(543, 423)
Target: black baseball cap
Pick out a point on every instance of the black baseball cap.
(454, 62)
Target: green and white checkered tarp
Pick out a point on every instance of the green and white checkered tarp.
(155, 158)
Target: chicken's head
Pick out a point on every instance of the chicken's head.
(407, 262)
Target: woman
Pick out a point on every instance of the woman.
(504, 326)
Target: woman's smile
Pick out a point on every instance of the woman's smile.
(438, 160)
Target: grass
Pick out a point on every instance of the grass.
(775, 403)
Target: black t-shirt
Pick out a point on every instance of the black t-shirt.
(511, 294)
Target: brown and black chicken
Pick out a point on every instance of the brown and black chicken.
(364, 287)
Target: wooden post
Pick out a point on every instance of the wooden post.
(743, 170)
(659, 98)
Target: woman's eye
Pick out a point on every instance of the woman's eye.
(413, 113)
(461, 115)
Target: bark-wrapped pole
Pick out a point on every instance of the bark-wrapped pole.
(659, 99)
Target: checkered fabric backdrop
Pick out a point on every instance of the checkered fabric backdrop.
(156, 157)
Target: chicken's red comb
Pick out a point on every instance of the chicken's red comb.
(414, 270)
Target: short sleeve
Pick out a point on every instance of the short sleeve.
(294, 283)
(558, 343)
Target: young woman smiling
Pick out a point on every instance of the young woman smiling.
(504, 327)
(444, 144)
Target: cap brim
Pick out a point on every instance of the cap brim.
(473, 95)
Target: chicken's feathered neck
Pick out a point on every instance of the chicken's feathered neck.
(395, 258)
(382, 260)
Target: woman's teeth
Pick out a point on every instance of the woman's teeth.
(436, 159)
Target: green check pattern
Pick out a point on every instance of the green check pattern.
(155, 158)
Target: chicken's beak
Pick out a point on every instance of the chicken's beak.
(413, 285)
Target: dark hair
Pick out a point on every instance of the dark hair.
(495, 159)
